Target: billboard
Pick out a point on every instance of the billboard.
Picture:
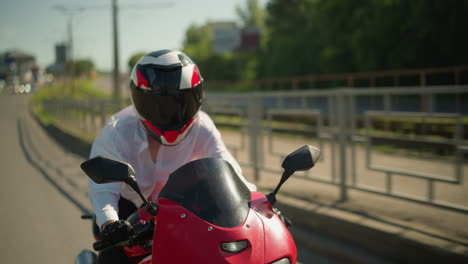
(250, 39)
(226, 37)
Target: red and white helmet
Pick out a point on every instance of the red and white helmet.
(166, 91)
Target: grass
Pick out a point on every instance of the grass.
(228, 120)
(428, 120)
(385, 148)
(81, 89)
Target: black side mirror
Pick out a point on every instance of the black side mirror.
(104, 170)
(302, 159)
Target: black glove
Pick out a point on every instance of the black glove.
(283, 218)
(117, 231)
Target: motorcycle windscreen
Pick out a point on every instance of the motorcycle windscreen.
(211, 189)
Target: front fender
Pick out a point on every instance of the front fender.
(86, 257)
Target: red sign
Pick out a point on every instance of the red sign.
(250, 39)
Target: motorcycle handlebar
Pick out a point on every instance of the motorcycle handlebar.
(143, 230)
(101, 245)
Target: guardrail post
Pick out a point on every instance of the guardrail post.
(342, 141)
(92, 114)
(102, 112)
(254, 127)
(82, 107)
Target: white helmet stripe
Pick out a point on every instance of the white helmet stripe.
(147, 60)
(186, 78)
(165, 59)
(134, 79)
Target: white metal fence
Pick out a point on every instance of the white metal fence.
(345, 121)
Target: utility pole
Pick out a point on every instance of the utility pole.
(117, 95)
(117, 92)
(70, 50)
(70, 12)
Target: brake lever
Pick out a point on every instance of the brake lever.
(144, 230)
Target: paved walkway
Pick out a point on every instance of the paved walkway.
(61, 166)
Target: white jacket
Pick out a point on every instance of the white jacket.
(123, 138)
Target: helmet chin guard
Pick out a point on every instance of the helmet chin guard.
(167, 137)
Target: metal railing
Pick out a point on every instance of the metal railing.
(419, 77)
(342, 122)
(340, 109)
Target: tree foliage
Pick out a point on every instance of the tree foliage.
(83, 67)
(134, 59)
(252, 15)
(346, 36)
(304, 37)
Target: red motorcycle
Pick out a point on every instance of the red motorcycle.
(204, 214)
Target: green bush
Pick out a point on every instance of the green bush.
(81, 89)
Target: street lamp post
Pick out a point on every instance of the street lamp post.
(70, 12)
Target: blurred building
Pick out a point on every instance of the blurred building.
(61, 57)
(61, 54)
(16, 65)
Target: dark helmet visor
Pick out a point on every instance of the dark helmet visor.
(161, 79)
(167, 111)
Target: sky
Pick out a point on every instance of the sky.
(36, 26)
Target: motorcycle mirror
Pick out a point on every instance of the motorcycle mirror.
(301, 159)
(105, 170)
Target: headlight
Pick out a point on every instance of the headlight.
(282, 261)
(27, 88)
(235, 246)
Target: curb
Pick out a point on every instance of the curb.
(70, 142)
(383, 240)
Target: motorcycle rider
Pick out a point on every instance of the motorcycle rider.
(162, 130)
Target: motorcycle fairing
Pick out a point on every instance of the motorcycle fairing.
(147, 260)
(205, 203)
(183, 237)
(278, 241)
(210, 189)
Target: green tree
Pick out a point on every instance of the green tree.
(198, 41)
(198, 44)
(332, 36)
(252, 15)
(293, 43)
(134, 59)
(82, 67)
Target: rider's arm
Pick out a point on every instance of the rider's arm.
(213, 146)
(104, 197)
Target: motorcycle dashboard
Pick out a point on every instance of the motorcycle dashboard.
(211, 189)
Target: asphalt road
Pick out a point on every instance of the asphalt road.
(44, 194)
(38, 224)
